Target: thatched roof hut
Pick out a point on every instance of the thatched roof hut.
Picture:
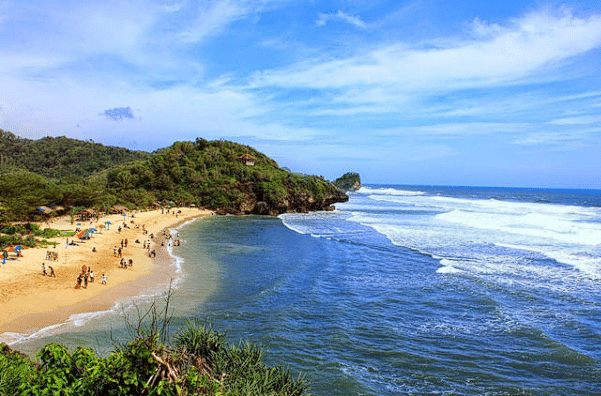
(247, 160)
(86, 214)
(118, 209)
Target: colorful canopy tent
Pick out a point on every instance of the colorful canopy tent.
(16, 248)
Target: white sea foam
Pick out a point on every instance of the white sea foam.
(388, 191)
(448, 267)
(462, 227)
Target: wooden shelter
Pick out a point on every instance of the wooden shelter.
(247, 160)
(118, 209)
(86, 214)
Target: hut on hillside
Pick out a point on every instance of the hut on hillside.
(247, 160)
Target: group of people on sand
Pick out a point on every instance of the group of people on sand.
(82, 279)
(123, 263)
(87, 276)
(51, 256)
(48, 271)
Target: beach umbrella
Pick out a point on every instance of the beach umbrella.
(15, 248)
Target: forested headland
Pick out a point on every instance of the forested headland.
(62, 175)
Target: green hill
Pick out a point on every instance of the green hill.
(210, 174)
(61, 156)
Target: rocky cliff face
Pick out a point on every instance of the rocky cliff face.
(300, 202)
(350, 181)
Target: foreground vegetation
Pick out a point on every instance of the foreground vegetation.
(199, 363)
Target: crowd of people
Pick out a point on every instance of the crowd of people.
(87, 276)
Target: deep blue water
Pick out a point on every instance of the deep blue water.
(409, 291)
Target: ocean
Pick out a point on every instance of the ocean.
(403, 290)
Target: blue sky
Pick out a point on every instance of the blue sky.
(416, 92)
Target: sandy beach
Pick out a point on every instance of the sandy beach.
(30, 301)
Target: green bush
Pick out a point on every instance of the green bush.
(200, 364)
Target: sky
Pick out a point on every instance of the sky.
(402, 92)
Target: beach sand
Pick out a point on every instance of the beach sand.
(30, 301)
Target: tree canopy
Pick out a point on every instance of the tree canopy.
(204, 173)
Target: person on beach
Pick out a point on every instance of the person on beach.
(131, 262)
(91, 276)
(125, 243)
(94, 249)
(84, 269)
(52, 274)
(43, 269)
(78, 284)
(103, 279)
(85, 280)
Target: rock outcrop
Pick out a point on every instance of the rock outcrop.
(350, 181)
(294, 202)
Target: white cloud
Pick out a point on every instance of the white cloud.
(580, 120)
(353, 20)
(547, 138)
(499, 56)
(213, 20)
(173, 7)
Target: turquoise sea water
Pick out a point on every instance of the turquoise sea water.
(400, 291)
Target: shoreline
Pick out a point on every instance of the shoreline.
(29, 308)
